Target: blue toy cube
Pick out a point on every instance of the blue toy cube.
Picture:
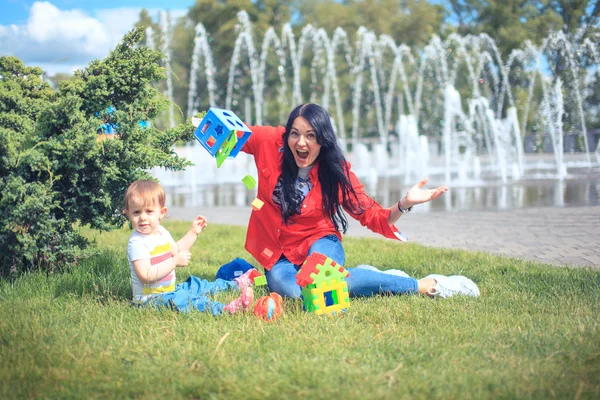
(215, 129)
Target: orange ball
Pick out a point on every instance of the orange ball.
(269, 307)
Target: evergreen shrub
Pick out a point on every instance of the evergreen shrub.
(55, 172)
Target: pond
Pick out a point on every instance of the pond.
(580, 189)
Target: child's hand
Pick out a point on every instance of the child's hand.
(199, 224)
(182, 258)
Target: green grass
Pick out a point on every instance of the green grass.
(533, 333)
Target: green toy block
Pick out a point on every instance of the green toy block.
(260, 280)
(308, 298)
(327, 272)
(227, 147)
(249, 182)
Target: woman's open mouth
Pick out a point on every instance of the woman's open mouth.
(302, 154)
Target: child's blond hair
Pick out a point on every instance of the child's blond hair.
(146, 191)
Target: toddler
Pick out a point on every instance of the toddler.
(153, 257)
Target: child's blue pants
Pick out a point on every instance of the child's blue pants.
(191, 295)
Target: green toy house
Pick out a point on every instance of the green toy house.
(324, 289)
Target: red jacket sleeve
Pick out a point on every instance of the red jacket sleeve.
(261, 134)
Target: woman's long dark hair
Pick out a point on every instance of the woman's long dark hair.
(333, 170)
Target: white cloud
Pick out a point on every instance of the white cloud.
(64, 40)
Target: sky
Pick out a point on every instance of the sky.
(65, 35)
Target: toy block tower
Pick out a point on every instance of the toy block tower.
(222, 134)
(324, 289)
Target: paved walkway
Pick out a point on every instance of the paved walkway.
(559, 236)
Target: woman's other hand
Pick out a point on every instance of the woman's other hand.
(417, 195)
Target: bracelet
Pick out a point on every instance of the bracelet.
(403, 210)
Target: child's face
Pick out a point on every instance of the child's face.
(145, 218)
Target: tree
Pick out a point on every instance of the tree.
(511, 22)
(411, 22)
(577, 15)
(55, 174)
(220, 19)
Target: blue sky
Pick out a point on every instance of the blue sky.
(64, 35)
(17, 11)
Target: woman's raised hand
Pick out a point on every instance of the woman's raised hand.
(417, 195)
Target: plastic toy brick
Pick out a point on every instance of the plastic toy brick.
(304, 277)
(308, 298)
(318, 268)
(253, 274)
(330, 270)
(249, 182)
(260, 280)
(319, 304)
(341, 300)
(309, 269)
(316, 258)
(211, 141)
(219, 126)
(226, 149)
(257, 204)
(324, 289)
(333, 310)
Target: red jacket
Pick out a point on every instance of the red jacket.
(268, 236)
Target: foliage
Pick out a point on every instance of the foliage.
(510, 22)
(220, 20)
(412, 22)
(532, 334)
(55, 172)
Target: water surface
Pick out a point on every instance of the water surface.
(575, 191)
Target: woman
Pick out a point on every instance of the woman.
(306, 184)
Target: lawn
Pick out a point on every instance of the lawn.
(533, 333)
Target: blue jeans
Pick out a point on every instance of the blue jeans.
(191, 295)
(361, 282)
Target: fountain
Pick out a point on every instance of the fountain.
(165, 23)
(481, 135)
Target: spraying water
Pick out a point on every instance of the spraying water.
(394, 90)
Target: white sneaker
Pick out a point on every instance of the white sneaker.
(396, 272)
(448, 286)
(469, 287)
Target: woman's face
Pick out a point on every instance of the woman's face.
(303, 143)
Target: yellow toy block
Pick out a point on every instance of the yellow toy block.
(257, 204)
(340, 291)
